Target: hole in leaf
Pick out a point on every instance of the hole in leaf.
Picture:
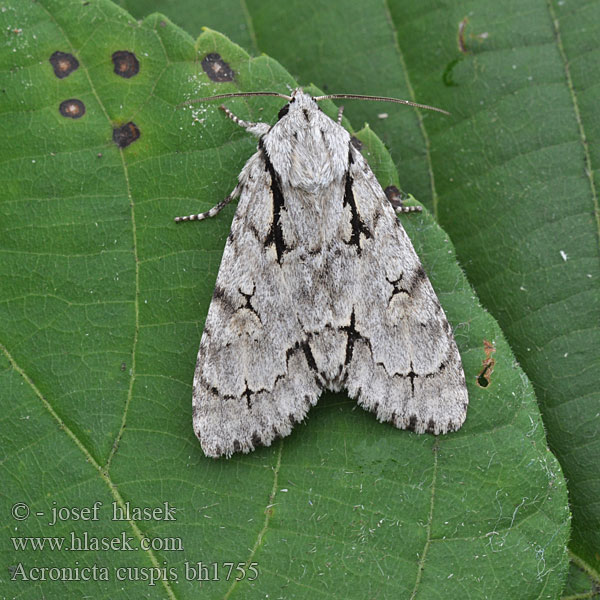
(483, 379)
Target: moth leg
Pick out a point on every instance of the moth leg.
(257, 129)
(407, 209)
(215, 210)
(340, 113)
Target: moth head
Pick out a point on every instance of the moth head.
(299, 102)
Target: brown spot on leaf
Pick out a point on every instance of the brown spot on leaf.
(72, 108)
(216, 68)
(483, 379)
(126, 63)
(356, 143)
(126, 134)
(63, 64)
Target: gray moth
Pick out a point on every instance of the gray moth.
(319, 288)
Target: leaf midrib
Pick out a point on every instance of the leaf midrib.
(583, 138)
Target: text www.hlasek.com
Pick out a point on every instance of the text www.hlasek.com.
(86, 542)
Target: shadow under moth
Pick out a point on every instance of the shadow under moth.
(319, 288)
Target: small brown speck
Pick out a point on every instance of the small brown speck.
(72, 108)
(123, 366)
(126, 134)
(126, 63)
(63, 64)
(216, 68)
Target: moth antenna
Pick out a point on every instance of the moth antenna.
(379, 99)
(235, 95)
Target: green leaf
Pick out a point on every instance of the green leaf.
(515, 176)
(227, 16)
(511, 175)
(101, 311)
(580, 585)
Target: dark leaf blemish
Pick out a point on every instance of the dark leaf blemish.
(216, 68)
(72, 108)
(126, 134)
(126, 63)
(63, 64)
